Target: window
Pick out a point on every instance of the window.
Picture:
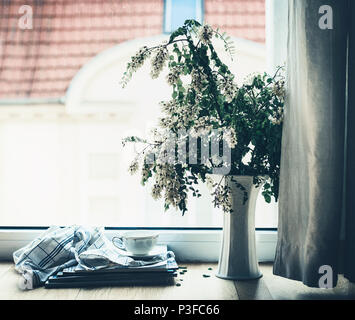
(61, 157)
(177, 11)
(63, 168)
(71, 167)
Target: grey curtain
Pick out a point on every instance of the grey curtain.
(318, 147)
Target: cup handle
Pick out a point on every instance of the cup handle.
(119, 244)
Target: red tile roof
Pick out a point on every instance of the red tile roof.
(238, 18)
(41, 62)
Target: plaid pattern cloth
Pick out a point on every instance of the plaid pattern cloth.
(74, 246)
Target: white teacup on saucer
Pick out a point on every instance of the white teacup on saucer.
(139, 242)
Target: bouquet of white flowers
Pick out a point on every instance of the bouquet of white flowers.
(214, 124)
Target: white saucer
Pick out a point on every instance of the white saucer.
(151, 254)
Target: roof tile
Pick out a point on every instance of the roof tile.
(241, 18)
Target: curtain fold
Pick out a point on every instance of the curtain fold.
(312, 162)
(349, 265)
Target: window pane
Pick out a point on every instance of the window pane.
(177, 11)
(65, 172)
(67, 166)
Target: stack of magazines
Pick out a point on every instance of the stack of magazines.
(156, 273)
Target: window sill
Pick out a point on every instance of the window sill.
(188, 245)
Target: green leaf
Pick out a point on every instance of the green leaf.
(267, 198)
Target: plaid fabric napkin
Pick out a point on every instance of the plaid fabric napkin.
(60, 248)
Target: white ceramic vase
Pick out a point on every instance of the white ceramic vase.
(237, 260)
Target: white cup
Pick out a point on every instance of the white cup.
(139, 241)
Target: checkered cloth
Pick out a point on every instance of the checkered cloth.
(60, 248)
